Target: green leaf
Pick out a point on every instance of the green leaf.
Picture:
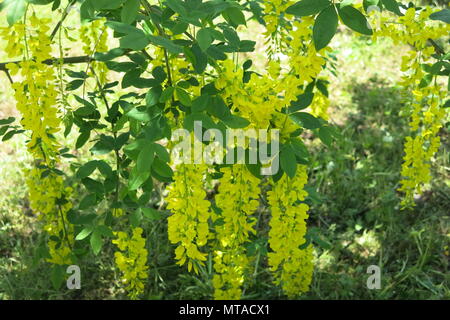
(183, 97)
(306, 120)
(325, 27)
(7, 121)
(218, 108)
(236, 122)
(204, 39)
(447, 104)
(87, 11)
(145, 158)
(206, 121)
(288, 161)
(3, 130)
(130, 11)
(84, 233)
(159, 74)
(82, 139)
(107, 4)
(198, 58)
(137, 178)
(235, 16)
(57, 276)
(135, 41)
(307, 7)
(153, 95)
(93, 186)
(104, 146)
(355, 20)
(178, 6)
(16, 10)
(123, 28)
(104, 231)
(167, 94)
(443, 15)
(161, 152)
(303, 101)
(200, 103)
(162, 168)
(299, 148)
(370, 3)
(247, 64)
(392, 6)
(165, 43)
(138, 115)
(74, 84)
(86, 169)
(135, 217)
(325, 136)
(9, 135)
(151, 213)
(88, 201)
(40, 2)
(107, 56)
(104, 168)
(96, 242)
(215, 53)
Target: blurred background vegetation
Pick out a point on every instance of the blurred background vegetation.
(355, 215)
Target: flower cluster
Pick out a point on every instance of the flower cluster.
(94, 36)
(36, 95)
(132, 260)
(425, 103)
(237, 200)
(188, 226)
(36, 98)
(292, 264)
(272, 14)
(48, 199)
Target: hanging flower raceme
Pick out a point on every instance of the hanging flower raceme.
(36, 94)
(237, 200)
(132, 260)
(188, 226)
(290, 261)
(36, 99)
(48, 198)
(94, 36)
(424, 106)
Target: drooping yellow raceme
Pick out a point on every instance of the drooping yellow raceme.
(36, 99)
(424, 105)
(188, 226)
(292, 265)
(272, 13)
(46, 195)
(94, 36)
(237, 199)
(36, 94)
(132, 261)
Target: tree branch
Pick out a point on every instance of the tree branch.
(67, 60)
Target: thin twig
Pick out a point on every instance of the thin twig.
(60, 22)
(67, 60)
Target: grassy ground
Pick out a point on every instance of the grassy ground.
(356, 215)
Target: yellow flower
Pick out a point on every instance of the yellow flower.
(188, 225)
(132, 260)
(237, 200)
(293, 266)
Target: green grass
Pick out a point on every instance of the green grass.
(358, 216)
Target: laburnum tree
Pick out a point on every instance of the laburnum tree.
(148, 68)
